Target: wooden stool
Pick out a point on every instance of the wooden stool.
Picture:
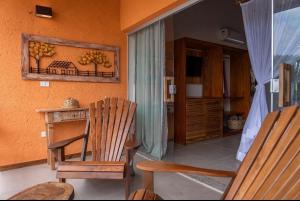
(47, 191)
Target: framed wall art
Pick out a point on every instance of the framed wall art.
(45, 58)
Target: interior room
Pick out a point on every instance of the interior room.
(207, 54)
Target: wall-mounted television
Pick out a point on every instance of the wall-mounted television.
(194, 66)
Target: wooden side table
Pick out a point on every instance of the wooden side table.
(60, 115)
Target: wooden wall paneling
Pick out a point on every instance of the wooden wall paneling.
(217, 72)
(246, 83)
(213, 76)
(170, 73)
(187, 124)
(240, 83)
(180, 97)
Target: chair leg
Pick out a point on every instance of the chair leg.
(130, 161)
(61, 155)
(62, 180)
(149, 180)
(127, 182)
(132, 172)
(127, 187)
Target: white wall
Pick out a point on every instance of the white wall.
(204, 20)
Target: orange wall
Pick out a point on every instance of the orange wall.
(96, 21)
(137, 12)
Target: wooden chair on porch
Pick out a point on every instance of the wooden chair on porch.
(111, 128)
(271, 169)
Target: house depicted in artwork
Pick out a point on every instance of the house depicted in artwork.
(62, 68)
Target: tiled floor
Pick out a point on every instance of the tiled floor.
(218, 154)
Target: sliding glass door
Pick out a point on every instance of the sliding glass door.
(286, 53)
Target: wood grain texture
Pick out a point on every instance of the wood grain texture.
(111, 122)
(121, 129)
(91, 175)
(111, 126)
(105, 127)
(99, 129)
(275, 157)
(204, 119)
(120, 105)
(180, 97)
(65, 143)
(285, 72)
(144, 194)
(240, 82)
(26, 75)
(92, 167)
(175, 168)
(93, 129)
(271, 169)
(261, 159)
(126, 130)
(47, 191)
(286, 160)
(192, 127)
(263, 134)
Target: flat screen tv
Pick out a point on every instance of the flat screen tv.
(194, 66)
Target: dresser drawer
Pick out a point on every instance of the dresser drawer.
(59, 117)
(204, 119)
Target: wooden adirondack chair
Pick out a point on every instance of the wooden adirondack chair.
(110, 123)
(271, 169)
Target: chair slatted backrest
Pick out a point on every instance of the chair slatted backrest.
(271, 169)
(111, 120)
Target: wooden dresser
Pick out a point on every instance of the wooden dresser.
(204, 119)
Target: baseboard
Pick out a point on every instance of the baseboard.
(37, 162)
(21, 165)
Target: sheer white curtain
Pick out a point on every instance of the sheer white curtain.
(146, 86)
(257, 15)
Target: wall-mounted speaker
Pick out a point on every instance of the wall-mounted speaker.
(42, 11)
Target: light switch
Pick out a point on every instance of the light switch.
(44, 84)
(172, 89)
(43, 134)
(275, 85)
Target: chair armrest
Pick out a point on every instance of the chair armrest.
(156, 166)
(64, 143)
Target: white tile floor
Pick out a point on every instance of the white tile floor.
(217, 154)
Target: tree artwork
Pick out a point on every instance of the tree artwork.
(38, 50)
(95, 57)
(46, 58)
